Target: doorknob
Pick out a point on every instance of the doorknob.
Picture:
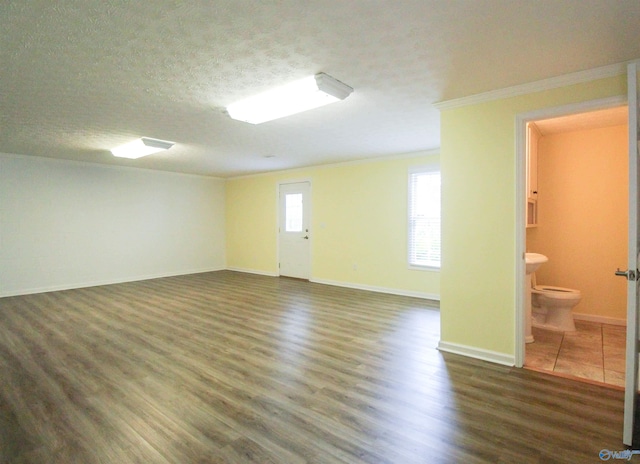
(630, 275)
(306, 237)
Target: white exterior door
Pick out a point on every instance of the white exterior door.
(294, 237)
(631, 373)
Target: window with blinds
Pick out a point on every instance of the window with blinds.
(424, 218)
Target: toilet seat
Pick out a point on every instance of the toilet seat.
(558, 293)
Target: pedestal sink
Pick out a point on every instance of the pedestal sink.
(532, 261)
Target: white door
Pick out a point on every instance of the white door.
(294, 237)
(631, 373)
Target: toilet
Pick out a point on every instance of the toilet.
(551, 307)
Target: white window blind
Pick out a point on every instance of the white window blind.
(424, 218)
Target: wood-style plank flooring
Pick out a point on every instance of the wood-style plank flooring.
(225, 367)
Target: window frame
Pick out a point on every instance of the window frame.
(412, 172)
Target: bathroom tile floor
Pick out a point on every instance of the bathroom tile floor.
(595, 352)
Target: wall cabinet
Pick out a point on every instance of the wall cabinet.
(532, 212)
(533, 137)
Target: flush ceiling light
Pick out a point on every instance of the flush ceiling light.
(141, 147)
(296, 97)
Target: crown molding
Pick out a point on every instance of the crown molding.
(95, 164)
(537, 86)
(412, 154)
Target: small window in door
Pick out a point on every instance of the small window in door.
(293, 212)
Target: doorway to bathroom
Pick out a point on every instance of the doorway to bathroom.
(576, 216)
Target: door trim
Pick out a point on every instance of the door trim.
(631, 352)
(521, 197)
(278, 218)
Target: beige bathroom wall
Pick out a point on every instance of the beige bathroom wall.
(582, 216)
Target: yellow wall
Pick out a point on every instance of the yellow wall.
(478, 164)
(359, 217)
(582, 216)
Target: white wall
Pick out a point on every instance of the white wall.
(67, 224)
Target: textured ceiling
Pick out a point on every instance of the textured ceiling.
(78, 77)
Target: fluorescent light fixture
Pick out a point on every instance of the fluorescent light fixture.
(141, 147)
(296, 97)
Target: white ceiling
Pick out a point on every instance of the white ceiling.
(78, 77)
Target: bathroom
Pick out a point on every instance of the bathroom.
(577, 218)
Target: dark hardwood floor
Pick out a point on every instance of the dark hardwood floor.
(229, 367)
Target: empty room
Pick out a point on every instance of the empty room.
(295, 232)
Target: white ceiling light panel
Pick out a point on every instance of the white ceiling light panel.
(295, 97)
(141, 147)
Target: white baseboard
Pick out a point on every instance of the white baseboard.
(372, 288)
(477, 353)
(252, 271)
(599, 319)
(96, 283)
